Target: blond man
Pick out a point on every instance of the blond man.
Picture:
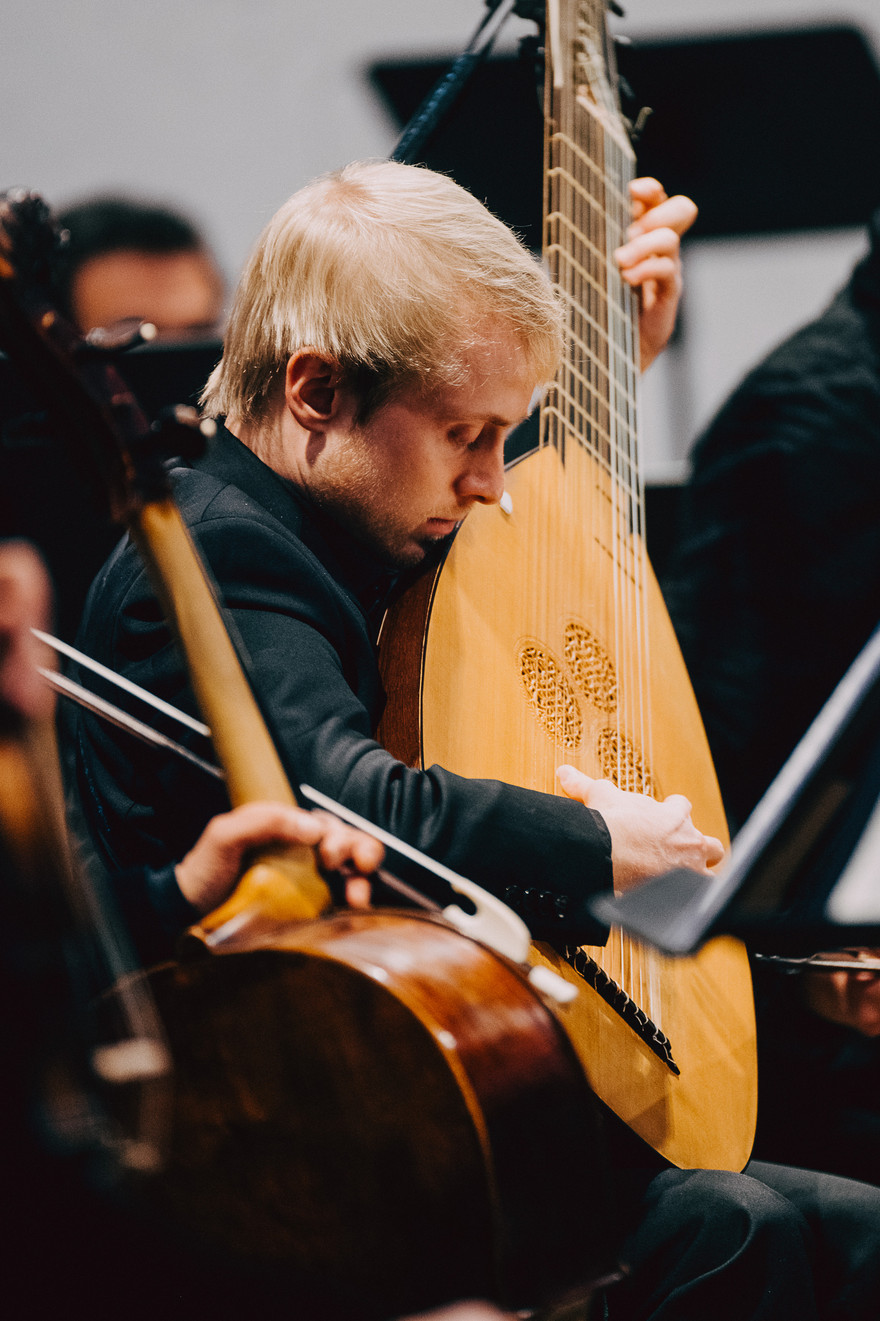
(387, 335)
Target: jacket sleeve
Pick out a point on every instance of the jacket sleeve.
(314, 666)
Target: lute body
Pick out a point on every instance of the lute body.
(543, 639)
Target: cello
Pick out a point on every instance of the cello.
(372, 1109)
(504, 664)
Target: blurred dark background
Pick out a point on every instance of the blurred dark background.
(772, 131)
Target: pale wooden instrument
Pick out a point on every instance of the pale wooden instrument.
(544, 640)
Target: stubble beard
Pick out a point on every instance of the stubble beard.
(354, 497)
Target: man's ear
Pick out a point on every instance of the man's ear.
(311, 388)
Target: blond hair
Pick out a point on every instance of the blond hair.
(386, 269)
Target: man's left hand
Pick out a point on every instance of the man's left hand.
(650, 261)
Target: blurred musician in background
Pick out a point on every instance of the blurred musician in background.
(774, 585)
(774, 588)
(133, 260)
(127, 261)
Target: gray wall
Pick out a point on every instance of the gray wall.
(225, 108)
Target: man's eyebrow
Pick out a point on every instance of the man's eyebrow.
(482, 419)
(502, 422)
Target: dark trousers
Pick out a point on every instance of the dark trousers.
(772, 1244)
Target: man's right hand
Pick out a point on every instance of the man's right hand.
(648, 837)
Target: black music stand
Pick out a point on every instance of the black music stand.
(804, 871)
(45, 497)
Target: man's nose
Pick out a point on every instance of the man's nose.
(483, 479)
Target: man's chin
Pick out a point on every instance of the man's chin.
(434, 546)
(411, 556)
(413, 552)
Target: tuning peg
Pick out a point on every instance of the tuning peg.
(641, 120)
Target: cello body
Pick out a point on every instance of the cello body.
(543, 639)
(383, 1113)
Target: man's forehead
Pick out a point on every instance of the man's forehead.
(499, 398)
(495, 364)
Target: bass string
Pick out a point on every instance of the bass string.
(603, 308)
(640, 714)
(620, 499)
(594, 403)
(605, 347)
(632, 710)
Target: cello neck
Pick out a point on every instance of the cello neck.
(281, 885)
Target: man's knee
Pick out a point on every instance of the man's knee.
(729, 1210)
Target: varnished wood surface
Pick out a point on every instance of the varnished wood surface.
(388, 1111)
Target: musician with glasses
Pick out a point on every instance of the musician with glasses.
(129, 259)
(387, 334)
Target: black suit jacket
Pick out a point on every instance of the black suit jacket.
(774, 587)
(306, 602)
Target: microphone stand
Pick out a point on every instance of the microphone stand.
(440, 99)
